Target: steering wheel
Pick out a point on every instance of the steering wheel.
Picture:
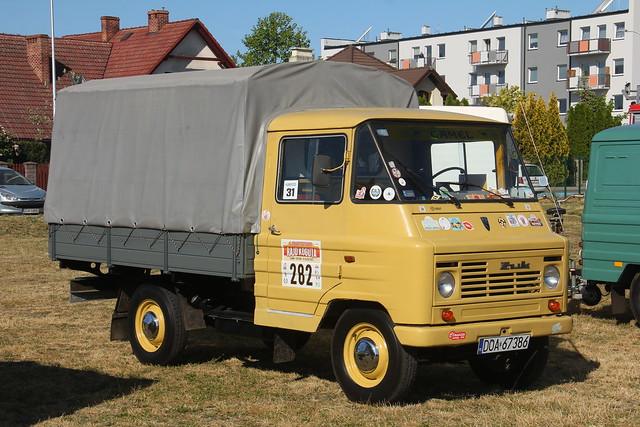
(440, 172)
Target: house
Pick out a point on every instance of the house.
(426, 81)
(161, 46)
(560, 54)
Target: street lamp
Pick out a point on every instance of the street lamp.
(631, 31)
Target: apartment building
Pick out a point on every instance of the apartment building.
(559, 54)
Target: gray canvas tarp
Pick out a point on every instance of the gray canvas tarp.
(186, 151)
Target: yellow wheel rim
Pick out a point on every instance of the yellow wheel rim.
(366, 355)
(150, 325)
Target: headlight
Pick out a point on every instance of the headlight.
(9, 197)
(551, 277)
(446, 284)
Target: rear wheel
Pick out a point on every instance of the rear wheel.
(634, 298)
(369, 362)
(512, 369)
(156, 326)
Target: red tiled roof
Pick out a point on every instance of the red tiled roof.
(355, 56)
(415, 76)
(131, 51)
(24, 99)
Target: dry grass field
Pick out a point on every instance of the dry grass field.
(58, 367)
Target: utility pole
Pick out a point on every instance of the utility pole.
(53, 61)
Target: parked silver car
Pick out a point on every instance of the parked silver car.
(18, 195)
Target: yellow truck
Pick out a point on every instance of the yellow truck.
(272, 202)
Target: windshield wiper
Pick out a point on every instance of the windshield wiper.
(505, 200)
(419, 181)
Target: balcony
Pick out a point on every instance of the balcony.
(477, 91)
(589, 47)
(489, 57)
(600, 81)
(418, 62)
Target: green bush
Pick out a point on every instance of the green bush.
(33, 151)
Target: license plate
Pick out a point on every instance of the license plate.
(506, 343)
(31, 211)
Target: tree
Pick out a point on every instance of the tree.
(508, 98)
(450, 100)
(271, 40)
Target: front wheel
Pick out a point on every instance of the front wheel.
(156, 326)
(369, 362)
(634, 298)
(512, 369)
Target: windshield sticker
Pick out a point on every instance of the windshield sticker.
(444, 223)
(467, 225)
(392, 164)
(456, 224)
(266, 215)
(535, 221)
(402, 182)
(375, 192)
(429, 223)
(502, 222)
(475, 196)
(523, 220)
(361, 193)
(422, 208)
(301, 263)
(382, 132)
(290, 189)
(389, 194)
(409, 194)
(527, 207)
(396, 173)
(513, 221)
(485, 222)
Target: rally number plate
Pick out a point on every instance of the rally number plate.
(506, 343)
(31, 211)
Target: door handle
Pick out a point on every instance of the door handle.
(274, 230)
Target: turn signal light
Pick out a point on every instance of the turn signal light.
(447, 315)
(554, 305)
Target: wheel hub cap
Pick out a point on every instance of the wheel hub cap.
(366, 355)
(150, 325)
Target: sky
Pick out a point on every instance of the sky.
(229, 21)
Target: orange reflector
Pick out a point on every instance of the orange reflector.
(349, 258)
(447, 315)
(554, 305)
(617, 264)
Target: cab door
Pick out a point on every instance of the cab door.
(305, 223)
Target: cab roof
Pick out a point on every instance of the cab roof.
(337, 118)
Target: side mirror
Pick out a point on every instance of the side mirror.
(321, 178)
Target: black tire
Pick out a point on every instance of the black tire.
(515, 370)
(389, 371)
(634, 298)
(156, 325)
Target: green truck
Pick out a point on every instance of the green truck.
(611, 221)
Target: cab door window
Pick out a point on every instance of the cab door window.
(297, 155)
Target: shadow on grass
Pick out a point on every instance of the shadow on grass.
(446, 381)
(32, 392)
(603, 311)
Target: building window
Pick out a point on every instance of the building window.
(393, 55)
(602, 31)
(618, 103)
(502, 44)
(533, 75)
(618, 67)
(416, 52)
(473, 79)
(441, 51)
(473, 46)
(533, 41)
(487, 44)
(562, 72)
(585, 70)
(487, 78)
(619, 30)
(563, 37)
(501, 79)
(586, 33)
(562, 105)
(428, 50)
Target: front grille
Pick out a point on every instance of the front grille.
(477, 282)
(25, 204)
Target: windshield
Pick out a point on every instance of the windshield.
(11, 177)
(439, 162)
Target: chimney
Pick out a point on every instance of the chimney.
(110, 26)
(157, 19)
(497, 21)
(426, 30)
(301, 54)
(38, 47)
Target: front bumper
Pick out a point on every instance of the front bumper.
(469, 333)
(22, 207)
